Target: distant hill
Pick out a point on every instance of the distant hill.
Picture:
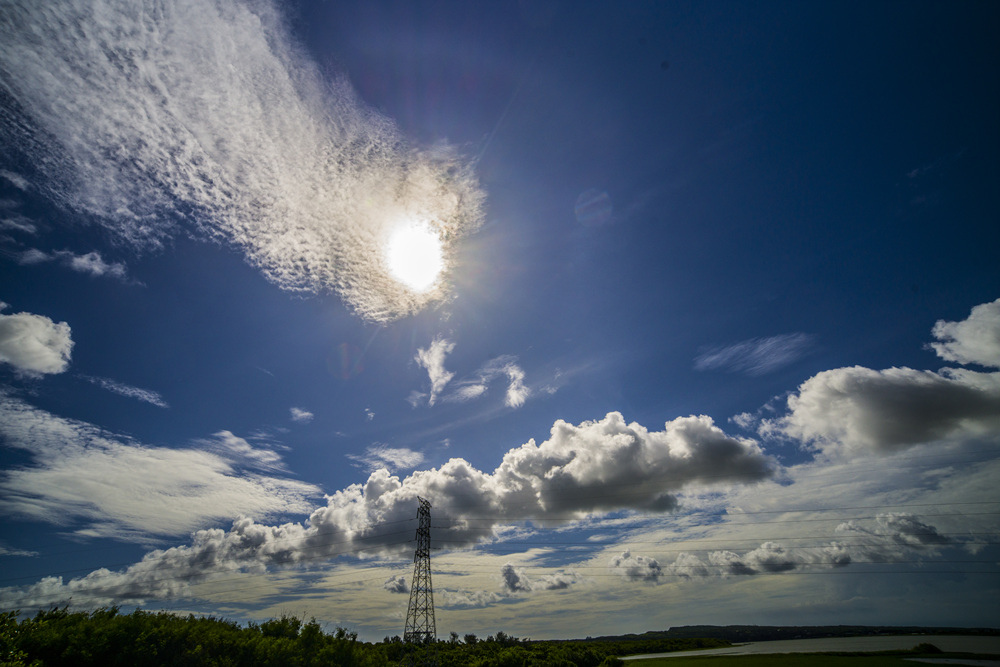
(760, 633)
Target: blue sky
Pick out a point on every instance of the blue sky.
(714, 338)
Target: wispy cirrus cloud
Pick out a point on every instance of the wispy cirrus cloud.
(18, 181)
(431, 359)
(110, 485)
(301, 415)
(122, 389)
(18, 223)
(391, 458)
(503, 366)
(755, 356)
(90, 263)
(206, 119)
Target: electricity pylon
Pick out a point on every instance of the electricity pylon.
(420, 616)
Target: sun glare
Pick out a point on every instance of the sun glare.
(414, 256)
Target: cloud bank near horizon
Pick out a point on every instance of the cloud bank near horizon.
(589, 469)
(206, 119)
(594, 467)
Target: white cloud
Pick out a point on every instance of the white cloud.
(391, 458)
(607, 464)
(91, 263)
(432, 360)
(240, 453)
(515, 580)
(18, 181)
(974, 340)
(467, 392)
(128, 391)
(503, 366)
(755, 356)
(6, 551)
(594, 467)
(449, 599)
(301, 415)
(34, 344)
(517, 393)
(122, 488)
(18, 223)
(858, 409)
(396, 584)
(636, 568)
(33, 256)
(206, 119)
(891, 537)
(369, 414)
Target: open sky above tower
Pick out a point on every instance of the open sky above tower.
(677, 312)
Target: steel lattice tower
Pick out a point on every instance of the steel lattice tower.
(420, 625)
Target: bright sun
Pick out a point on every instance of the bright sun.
(414, 256)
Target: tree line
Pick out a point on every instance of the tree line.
(107, 637)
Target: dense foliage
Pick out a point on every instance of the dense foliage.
(107, 637)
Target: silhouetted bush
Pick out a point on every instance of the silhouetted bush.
(925, 647)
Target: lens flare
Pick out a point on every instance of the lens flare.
(415, 257)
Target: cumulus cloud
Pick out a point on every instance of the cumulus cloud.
(205, 119)
(391, 458)
(34, 345)
(515, 580)
(636, 568)
(768, 557)
(117, 486)
(858, 409)
(449, 599)
(396, 584)
(974, 340)
(301, 415)
(432, 360)
(756, 356)
(891, 537)
(597, 466)
(145, 395)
